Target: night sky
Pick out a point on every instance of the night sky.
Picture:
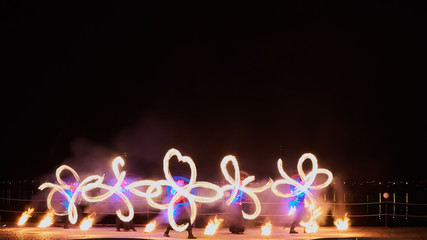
(82, 83)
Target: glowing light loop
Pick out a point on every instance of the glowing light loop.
(184, 191)
(235, 186)
(71, 208)
(307, 183)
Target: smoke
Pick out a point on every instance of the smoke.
(143, 146)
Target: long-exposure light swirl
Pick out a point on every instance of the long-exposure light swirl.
(85, 189)
(120, 176)
(235, 186)
(71, 209)
(185, 191)
(307, 183)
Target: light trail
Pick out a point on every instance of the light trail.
(307, 183)
(235, 186)
(185, 191)
(85, 189)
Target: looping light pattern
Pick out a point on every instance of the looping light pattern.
(71, 209)
(307, 183)
(85, 188)
(185, 191)
(235, 185)
(116, 189)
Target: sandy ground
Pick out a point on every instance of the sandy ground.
(103, 232)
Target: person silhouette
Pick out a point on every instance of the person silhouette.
(182, 213)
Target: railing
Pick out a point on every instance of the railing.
(384, 210)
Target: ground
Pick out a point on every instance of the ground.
(108, 232)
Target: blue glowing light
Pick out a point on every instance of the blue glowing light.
(239, 197)
(171, 192)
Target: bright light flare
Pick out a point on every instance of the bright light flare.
(311, 225)
(213, 226)
(292, 211)
(266, 229)
(25, 216)
(47, 220)
(342, 224)
(87, 222)
(150, 227)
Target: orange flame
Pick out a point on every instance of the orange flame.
(312, 228)
(311, 225)
(87, 223)
(213, 226)
(150, 227)
(342, 224)
(266, 229)
(47, 220)
(25, 216)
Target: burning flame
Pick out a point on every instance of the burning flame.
(87, 223)
(342, 224)
(213, 226)
(150, 227)
(47, 220)
(311, 225)
(266, 229)
(25, 216)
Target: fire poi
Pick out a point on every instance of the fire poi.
(85, 189)
(304, 187)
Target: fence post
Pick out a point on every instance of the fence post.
(386, 195)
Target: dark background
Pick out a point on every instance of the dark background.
(82, 83)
